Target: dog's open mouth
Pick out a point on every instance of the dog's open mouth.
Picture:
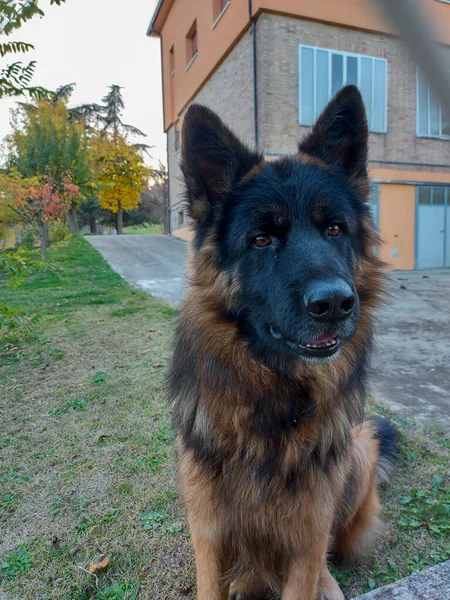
(322, 347)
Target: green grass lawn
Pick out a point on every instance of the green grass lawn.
(144, 229)
(87, 455)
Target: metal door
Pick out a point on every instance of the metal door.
(374, 204)
(431, 224)
(447, 232)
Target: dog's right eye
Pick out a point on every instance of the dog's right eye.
(262, 240)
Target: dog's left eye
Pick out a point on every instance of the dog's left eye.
(334, 230)
(262, 240)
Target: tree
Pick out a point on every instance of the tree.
(117, 160)
(154, 201)
(90, 212)
(8, 218)
(37, 202)
(46, 143)
(15, 78)
(107, 117)
(121, 174)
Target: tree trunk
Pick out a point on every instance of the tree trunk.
(44, 238)
(120, 220)
(166, 209)
(72, 220)
(93, 225)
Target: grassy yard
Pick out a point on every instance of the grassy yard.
(87, 457)
(144, 229)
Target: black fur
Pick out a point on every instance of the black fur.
(340, 135)
(388, 437)
(232, 197)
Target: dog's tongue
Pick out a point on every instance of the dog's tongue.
(324, 339)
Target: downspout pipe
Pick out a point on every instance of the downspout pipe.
(255, 72)
(151, 30)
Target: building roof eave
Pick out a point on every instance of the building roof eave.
(151, 30)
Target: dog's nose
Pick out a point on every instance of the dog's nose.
(330, 300)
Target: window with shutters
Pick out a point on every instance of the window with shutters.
(432, 120)
(323, 72)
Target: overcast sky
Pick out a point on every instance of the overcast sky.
(96, 43)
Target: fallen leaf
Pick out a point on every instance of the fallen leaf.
(99, 563)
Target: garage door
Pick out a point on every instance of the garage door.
(433, 227)
(374, 203)
(447, 233)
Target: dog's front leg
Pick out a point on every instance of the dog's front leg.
(304, 573)
(328, 586)
(209, 563)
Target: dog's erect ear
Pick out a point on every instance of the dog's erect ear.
(213, 160)
(340, 136)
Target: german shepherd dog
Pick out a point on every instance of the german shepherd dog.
(277, 467)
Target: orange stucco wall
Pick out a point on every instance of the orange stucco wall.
(397, 210)
(176, 17)
(410, 176)
(213, 45)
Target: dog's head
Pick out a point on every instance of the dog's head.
(290, 241)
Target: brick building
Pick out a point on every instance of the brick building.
(268, 67)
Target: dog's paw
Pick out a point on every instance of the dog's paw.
(328, 587)
(248, 596)
(331, 595)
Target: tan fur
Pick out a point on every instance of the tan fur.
(297, 528)
(307, 159)
(251, 533)
(276, 466)
(243, 534)
(254, 171)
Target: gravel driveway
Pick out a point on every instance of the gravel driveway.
(412, 359)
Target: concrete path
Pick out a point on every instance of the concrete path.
(412, 359)
(154, 263)
(431, 584)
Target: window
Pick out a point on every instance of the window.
(433, 195)
(323, 72)
(219, 7)
(191, 44)
(180, 218)
(172, 61)
(432, 121)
